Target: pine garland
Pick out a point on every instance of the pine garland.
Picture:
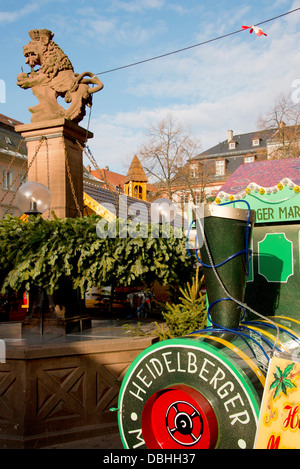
(44, 253)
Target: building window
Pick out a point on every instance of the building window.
(220, 168)
(138, 192)
(8, 179)
(249, 159)
(232, 145)
(198, 199)
(184, 199)
(22, 179)
(255, 142)
(193, 169)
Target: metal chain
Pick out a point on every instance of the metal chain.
(48, 171)
(94, 163)
(71, 183)
(43, 138)
(23, 177)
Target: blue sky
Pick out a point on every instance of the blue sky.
(226, 84)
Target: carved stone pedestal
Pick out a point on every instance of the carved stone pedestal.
(54, 390)
(56, 162)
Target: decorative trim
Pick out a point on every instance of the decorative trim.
(257, 189)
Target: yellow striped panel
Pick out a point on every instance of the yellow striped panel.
(239, 352)
(265, 333)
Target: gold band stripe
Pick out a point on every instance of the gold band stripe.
(267, 334)
(239, 352)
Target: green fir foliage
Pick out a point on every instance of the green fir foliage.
(44, 253)
(186, 316)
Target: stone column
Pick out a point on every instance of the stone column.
(52, 149)
(49, 165)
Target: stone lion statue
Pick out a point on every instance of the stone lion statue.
(55, 78)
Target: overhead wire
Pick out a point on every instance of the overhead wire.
(190, 47)
(194, 45)
(182, 50)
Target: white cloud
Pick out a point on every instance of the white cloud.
(28, 9)
(222, 85)
(117, 137)
(111, 29)
(136, 6)
(213, 89)
(12, 16)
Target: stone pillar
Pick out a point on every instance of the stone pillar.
(49, 165)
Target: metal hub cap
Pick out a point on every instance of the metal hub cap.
(179, 417)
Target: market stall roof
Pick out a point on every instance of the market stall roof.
(266, 174)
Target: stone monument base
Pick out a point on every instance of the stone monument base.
(55, 326)
(59, 390)
(56, 161)
(58, 314)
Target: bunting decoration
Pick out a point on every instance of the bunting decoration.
(258, 31)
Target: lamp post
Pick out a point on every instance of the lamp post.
(33, 198)
(63, 311)
(163, 211)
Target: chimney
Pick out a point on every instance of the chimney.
(106, 168)
(281, 125)
(229, 135)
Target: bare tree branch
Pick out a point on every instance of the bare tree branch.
(283, 118)
(168, 149)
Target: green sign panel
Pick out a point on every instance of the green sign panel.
(274, 270)
(275, 257)
(281, 206)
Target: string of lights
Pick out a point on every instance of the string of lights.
(195, 45)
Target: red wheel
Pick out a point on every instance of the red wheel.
(177, 418)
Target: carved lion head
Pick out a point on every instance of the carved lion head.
(43, 51)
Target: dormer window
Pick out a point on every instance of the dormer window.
(255, 142)
(232, 145)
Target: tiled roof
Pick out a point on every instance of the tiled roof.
(266, 173)
(285, 132)
(9, 138)
(115, 179)
(243, 145)
(113, 202)
(136, 172)
(129, 207)
(9, 121)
